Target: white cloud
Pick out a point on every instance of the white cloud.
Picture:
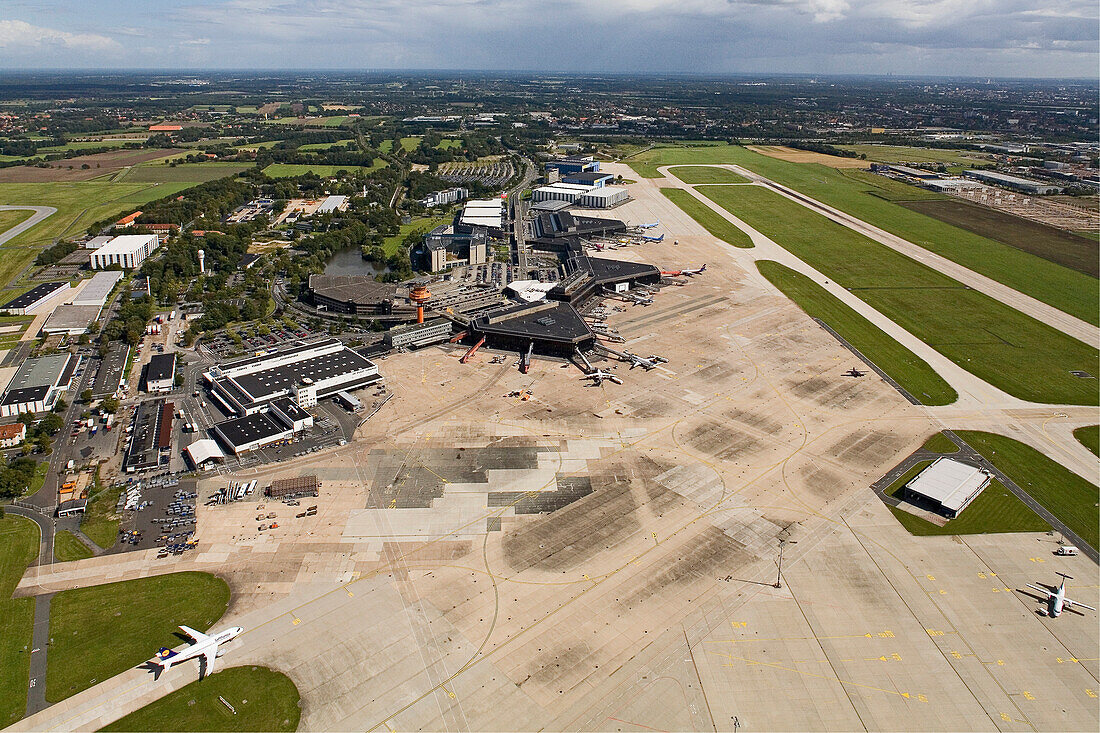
(16, 34)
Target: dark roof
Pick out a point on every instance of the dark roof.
(266, 382)
(549, 321)
(164, 426)
(26, 394)
(161, 366)
(32, 296)
(564, 224)
(588, 176)
(242, 430)
(358, 289)
(143, 451)
(604, 270)
(289, 408)
(281, 352)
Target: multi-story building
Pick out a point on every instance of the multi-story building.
(127, 251)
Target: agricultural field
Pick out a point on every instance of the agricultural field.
(103, 630)
(706, 174)
(290, 170)
(980, 334)
(110, 142)
(905, 367)
(407, 144)
(181, 172)
(995, 510)
(67, 547)
(1056, 245)
(1089, 436)
(262, 700)
(78, 204)
(100, 166)
(310, 121)
(253, 147)
(871, 198)
(701, 213)
(19, 543)
(794, 155)
(1060, 491)
(339, 144)
(904, 154)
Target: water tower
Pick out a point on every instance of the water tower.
(202, 267)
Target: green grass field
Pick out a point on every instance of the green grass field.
(940, 443)
(1089, 436)
(903, 154)
(310, 121)
(100, 523)
(290, 170)
(712, 222)
(995, 342)
(1062, 492)
(327, 146)
(391, 244)
(104, 630)
(871, 198)
(705, 174)
(39, 478)
(265, 700)
(407, 144)
(180, 173)
(905, 367)
(995, 510)
(67, 547)
(448, 143)
(8, 219)
(18, 548)
(85, 145)
(78, 205)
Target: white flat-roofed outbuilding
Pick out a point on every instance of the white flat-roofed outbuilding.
(949, 484)
(483, 213)
(127, 251)
(603, 198)
(96, 290)
(333, 203)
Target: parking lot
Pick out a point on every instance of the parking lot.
(157, 511)
(224, 346)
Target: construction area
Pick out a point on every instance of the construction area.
(516, 543)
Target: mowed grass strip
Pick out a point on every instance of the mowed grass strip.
(905, 367)
(871, 197)
(68, 547)
(104, 630)
(8, 219)
(265, 700)
(706, 174)
(1009, 350)
(1060, 491)
(291, 170)
(940, 443)
(100, 521)
(706, 218)
(1089, 436)
(19, 541)
(995, 510)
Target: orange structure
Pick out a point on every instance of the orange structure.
(418, 296)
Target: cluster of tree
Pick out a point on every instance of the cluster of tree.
(130, 320)
(333, 156)
(56, 253)
(819, 147)
(16, 476)
(212, 200)
(186, 135)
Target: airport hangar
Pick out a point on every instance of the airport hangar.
(38, 384)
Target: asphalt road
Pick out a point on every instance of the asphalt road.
(40, 213)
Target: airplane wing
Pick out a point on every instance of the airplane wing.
(1075, 604)
(1044, 591)
(197, 636)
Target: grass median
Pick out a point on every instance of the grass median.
(19, 542)
(104, 630)
(1009, 350)
(1060, 491)
(1089, 436)
(712, 222)
(68, 547)
(903, 366)
(262, 700)
(706, 174)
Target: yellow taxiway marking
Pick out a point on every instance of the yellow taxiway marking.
(906, 695)
(881, 634)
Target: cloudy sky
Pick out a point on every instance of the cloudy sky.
(1036, 38)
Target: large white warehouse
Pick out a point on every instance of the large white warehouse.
(127, 251)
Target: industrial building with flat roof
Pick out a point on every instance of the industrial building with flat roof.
(356, 294)
(488, 213)
(152, 434)
(160, 373)
(947, 485)
(71, 320)
(306, 373)
(280, 421)
(588, 178)
(96, 290)
(127, 251)
(419, 334)
(572, 164)
(36, 296)
(332, 203)
(1014, 182)
(38, 384)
